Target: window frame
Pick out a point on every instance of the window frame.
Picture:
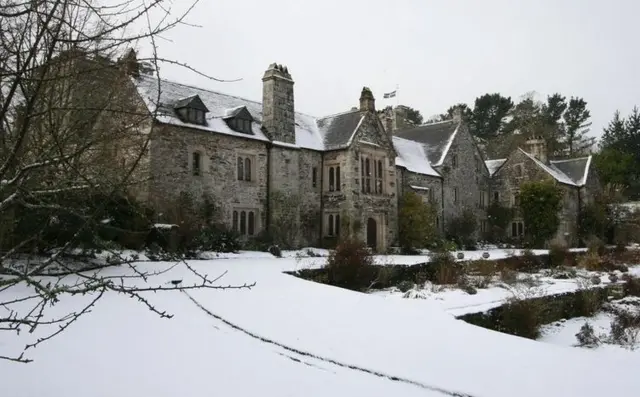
(196, 166)
(245, 221)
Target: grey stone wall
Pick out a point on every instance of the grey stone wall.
(372, 140)
(469, 177)
(170, 163)
(508, 179)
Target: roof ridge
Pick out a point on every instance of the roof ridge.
(165, 80)
(335, 114)
(573, 159)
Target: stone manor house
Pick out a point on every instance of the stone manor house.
(345, 171)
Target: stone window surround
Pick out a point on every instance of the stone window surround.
(253, 170)
(455, 194)
(484, 199)
(377, 183)
(515, 198)
(203, 164)
(314, 176)
(332, 224)
(518, 170)
(237, 221)
(337, 177)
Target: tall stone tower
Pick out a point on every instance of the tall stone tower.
(277, 104)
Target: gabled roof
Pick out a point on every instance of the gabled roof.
(567, 171)
(238, 111)
(192, 101)
(338, 130)
(493, 165)
(435, 138)
(576, 169)
(413, 157)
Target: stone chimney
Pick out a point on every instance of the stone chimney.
(278, 115)
(367, 101)
(537, 147)
(130, 63)
(386, 117)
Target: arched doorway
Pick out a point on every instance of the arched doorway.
(372, 233)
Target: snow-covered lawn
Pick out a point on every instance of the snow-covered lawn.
(291, 337)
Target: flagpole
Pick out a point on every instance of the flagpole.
(397, 99)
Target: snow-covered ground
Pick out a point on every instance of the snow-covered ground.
(290, 337)
(457, 302)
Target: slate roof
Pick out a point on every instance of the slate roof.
(338, 130)
(576, 169)
(326, 133)
(413, 157)
(565, 173)
(493, 165)
(435, 138)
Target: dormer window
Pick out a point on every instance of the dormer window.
(239, 119)
(191, 110)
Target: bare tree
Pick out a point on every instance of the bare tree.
(73, 143)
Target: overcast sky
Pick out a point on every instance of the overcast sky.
(439, 52)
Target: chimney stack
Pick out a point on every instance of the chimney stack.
(367, 101)
(278, 116)
(537, 147)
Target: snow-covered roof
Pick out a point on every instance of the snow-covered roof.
(308, 134)
(413, 157)
(435, 138)
(571, 172)
(493, 165)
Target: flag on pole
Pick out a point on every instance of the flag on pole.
(391, 94)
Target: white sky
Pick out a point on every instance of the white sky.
(439, 52)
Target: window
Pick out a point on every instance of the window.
(333, 225)
(496, 197)
(192, 115)
(517, 229)
(334, 178)
(378, 177)
(244, 168)
(247, 169)
(240, 169)
(455, 194)
(484, 226)
(367, 175)
(314, 177)
(517, 170)
(196, 163)
(240, 125)
(515, 199)
(454, 161)
(244, 222)
(371, 173)
(484, 198)
(431, 196)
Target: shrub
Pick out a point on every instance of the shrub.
(216, 238)
(587, 337)
(508, 276)
(632, 286)
(540, 203)
(590, 261)
(522, 317)
(593, 221)
(405, 286)
(416, 222)
(462, 228)
(558, 253)
(498, 218)
(351, 266)
(446, 269)
(625, 329)
(527, 262)
(596, 245)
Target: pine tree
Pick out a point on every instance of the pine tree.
(489, 112)
(615, 133)
(576, 118)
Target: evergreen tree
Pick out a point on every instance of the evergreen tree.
(554, 108)
(615, 133)
(414, 116)
(465, 110)
(576, 118)
(489, 112)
